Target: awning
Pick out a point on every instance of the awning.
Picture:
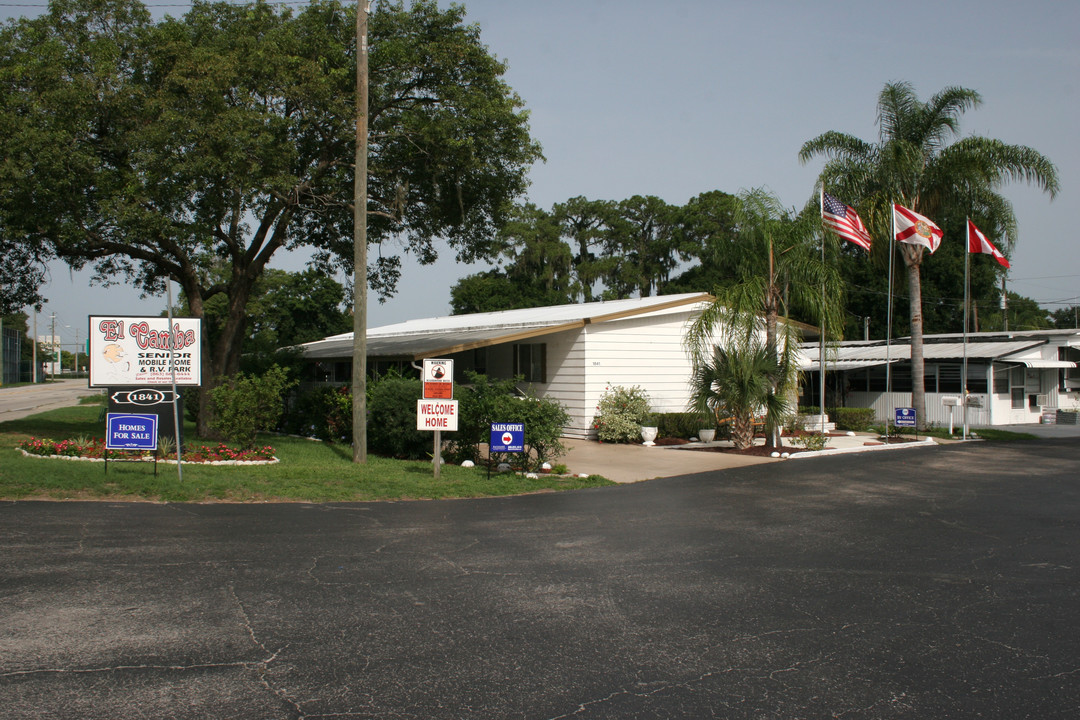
(815, 366)
(1040, 363)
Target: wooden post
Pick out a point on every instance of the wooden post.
(359, 371)
(437, 454)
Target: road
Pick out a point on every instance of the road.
(23, 400)
(929, 583)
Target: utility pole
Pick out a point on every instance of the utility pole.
(1004, 307)
(33, 370)
(359, 366)
(56, 345)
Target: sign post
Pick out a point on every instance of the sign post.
(130, 432)
(905, 417)
(437, 415)
(438, 380)
(507, 438)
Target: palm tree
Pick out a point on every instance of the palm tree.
(914, 164)
(772, 265)
(738, 382)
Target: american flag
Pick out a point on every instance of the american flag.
(844, 221)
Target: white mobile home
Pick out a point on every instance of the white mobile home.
(1012, 377)
(568, 352)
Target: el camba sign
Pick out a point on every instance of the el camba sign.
(136, 351)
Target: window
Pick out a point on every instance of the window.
(976, 379)
(1069, 377)
(949, 378)
(530, 361)
(479, 360)
(876, 379)
(901, 377)
(930, 379)
(1018, 398)
(1001, 380)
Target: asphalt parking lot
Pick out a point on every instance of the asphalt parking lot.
(928, 583)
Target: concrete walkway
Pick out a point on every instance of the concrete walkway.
(633, 463)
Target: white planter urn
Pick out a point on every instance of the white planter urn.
(648, 435)
(707, 436)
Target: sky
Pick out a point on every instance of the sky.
(678, 98)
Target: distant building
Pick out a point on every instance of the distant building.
(1012, 377)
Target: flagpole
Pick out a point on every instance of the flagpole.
(888, 322)
(967, 301)
(821, 328)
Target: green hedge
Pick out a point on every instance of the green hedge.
(680, 424)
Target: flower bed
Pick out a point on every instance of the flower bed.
(94, 449)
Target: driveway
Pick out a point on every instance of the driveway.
(23, 400)
(937, 582)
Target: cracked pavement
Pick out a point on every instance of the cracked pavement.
(930, 583)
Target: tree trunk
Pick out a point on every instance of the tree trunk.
(912, 259)
(223, 358)
(742, 431)
(772, 315)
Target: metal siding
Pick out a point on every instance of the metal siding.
(647, 352)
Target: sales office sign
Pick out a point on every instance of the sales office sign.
(144, 351)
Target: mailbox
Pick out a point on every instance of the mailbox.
(950, 400)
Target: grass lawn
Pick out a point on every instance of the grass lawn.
(309, 471)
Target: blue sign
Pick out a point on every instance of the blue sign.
(905, 417)
(131, 432)
(507, 437)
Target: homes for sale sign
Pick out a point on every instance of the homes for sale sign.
(139, 351)
(131, 432)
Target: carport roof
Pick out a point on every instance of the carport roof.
(432, 337)
(849, 357)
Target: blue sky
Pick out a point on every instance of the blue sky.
(678, 98)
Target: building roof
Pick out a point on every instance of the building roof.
(432, 337)
(1003, 347)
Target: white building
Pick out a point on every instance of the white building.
(570, 353)
(1012, 377)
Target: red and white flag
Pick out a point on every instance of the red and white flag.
(844, 221)
(979, 243)
(915, 229)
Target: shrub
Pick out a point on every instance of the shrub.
(855, 419)
(391, 426)
(247, 404)
(484, 401)
(681, 424)
(811, 441)
(324, 413)
(621, 413)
